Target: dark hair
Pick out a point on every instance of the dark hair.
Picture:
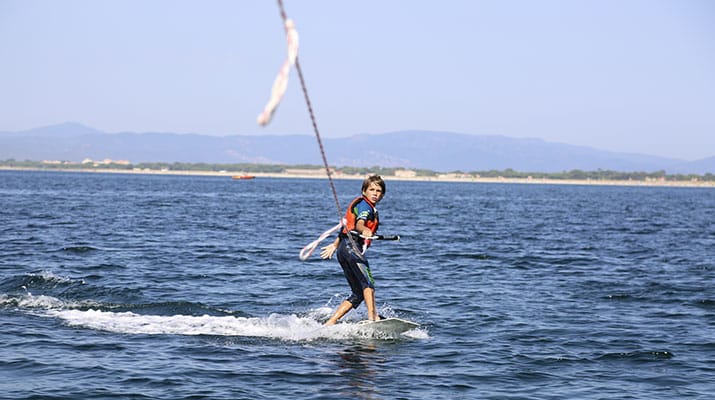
(374, 179)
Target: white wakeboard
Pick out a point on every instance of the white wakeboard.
(389, 326)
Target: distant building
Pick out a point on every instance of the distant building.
(306, 171)
(106, 161)
(405, 173)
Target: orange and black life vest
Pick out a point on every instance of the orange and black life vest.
(351, 218)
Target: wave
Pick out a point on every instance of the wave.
(44, 280)
(643, 355)
(78, 249)
(51, 278)
(191, 319)
(42, 302)
(276, 326)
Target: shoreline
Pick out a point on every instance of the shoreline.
(320, 174)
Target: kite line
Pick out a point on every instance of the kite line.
(280, 84)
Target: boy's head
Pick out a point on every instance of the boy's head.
(374, 181)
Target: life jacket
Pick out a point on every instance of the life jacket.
(351, 220)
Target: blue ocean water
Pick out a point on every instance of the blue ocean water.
(183, 287)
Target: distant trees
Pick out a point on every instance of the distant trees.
(576, 174)
(598, 175)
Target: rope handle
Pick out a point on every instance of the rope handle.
(377, 237)
(308, 250)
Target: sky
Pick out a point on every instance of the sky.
(632, 76)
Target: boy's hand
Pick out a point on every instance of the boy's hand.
(328, 251)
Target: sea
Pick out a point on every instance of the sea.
(131, 286)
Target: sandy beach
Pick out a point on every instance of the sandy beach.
(320, 174)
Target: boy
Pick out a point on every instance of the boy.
(361, 216)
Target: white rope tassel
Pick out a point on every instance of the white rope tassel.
(308, 250)
(281, 83)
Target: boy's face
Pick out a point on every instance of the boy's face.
(373, 193)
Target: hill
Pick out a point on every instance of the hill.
(438, 151)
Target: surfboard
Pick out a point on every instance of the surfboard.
(389, 326)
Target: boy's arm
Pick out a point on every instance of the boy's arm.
(360, 227)
(329, 250)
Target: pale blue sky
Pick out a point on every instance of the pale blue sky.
(621, 75)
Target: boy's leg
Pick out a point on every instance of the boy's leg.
(342, 310)
(369, 294)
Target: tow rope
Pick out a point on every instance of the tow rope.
(280, 84)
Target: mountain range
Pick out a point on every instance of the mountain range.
(437, 151)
